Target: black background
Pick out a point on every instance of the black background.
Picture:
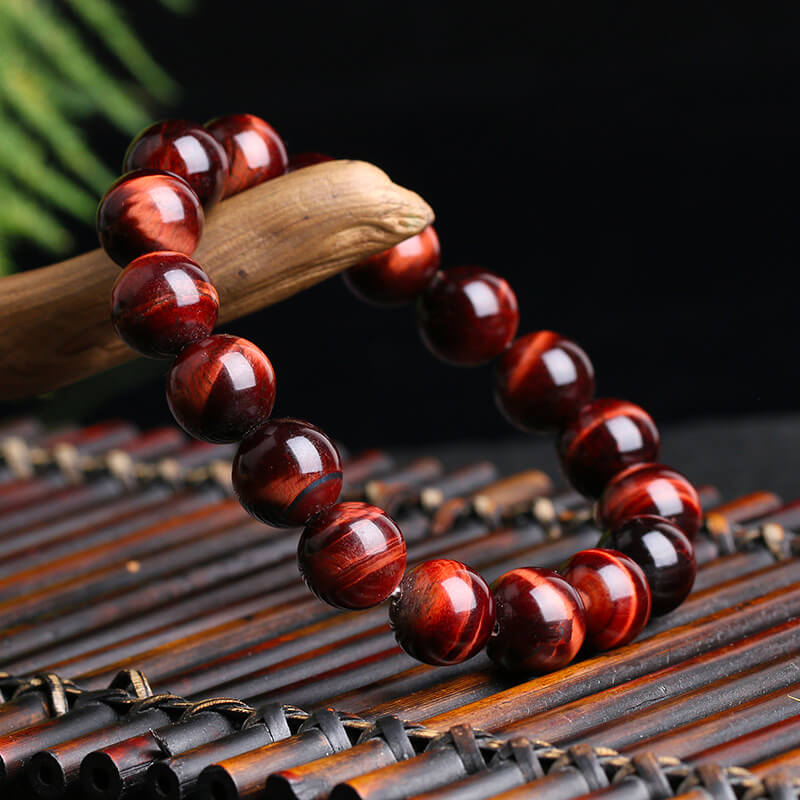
(631, 169)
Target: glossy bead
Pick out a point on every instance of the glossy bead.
(665, 555)
(541, 622)
(615, 595)
(255, 151)
(286, 471)
(467, 316)
(397, 275)
(162, 302)
(185, 148)
(352, 555)
(301, 160)
(220, 388)
(606, 437)
(444, 612)
(650, 489)
(542, 380)
(147, 210)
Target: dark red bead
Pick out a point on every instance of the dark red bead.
(352, 555)
(542, 380)
(650, 489)
(185, 148)
(665, 555)
(301, 160)
(467, 316)
(162, 302)
(220, 388)
(541, 622)
(286, 471)
(397, 275)
(606, 437)
(615, 595)
(147, 210)
(255, 151)
(444, 612)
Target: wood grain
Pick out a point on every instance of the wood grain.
(260, 246)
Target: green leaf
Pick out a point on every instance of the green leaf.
(59, 42)
(120, 39)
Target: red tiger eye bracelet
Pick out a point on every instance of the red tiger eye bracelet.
(287, 472)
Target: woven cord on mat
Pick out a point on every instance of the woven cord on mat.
(660, 777)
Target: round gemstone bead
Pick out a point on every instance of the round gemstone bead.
(185, 148)
(606, 437)
(665, 555)
(255, 151)
(352, 555)
(147, 210)
(650, 489)
(467, 316)
(162, 302)
(542, 381)
(541, 622)
(443, 613)
(301, 160)
(615, 595)
(397, 275)
(220, 388)
(287, 471)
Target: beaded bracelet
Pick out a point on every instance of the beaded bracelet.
(288, 473)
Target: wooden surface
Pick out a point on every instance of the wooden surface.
(259, 247)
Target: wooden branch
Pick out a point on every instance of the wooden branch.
(259, 247)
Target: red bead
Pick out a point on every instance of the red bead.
(162, 302)
(301, 160)
(397, 275)
(444, 612)
(185, 148)
(286, 471)
(541, 622)
(542, 380)
(650, 489)
(467, 316)
(220, 388)
(352, 555)
(255, 151)
(147, 210)
(665, 555)
(606, 437)
(615, 595)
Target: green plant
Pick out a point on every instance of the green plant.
(49, 82)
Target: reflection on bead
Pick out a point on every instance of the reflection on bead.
(606, 437)
(615, 595)
(542, 380)
(541, 623)
(397, 275)
(444, 612)
(162, 302)
(665, 555)
(185, 148)
(286, 471)
(255, 151)
(352, 555)
(467, 316)
(147, 210)
(650, 489)
(301, 160)
(220, 388)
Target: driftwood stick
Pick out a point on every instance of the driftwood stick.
(259, 247)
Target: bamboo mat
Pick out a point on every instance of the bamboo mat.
(157, 642)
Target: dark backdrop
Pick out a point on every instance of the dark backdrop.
(631, 170)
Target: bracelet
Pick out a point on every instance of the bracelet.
(288, 473)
